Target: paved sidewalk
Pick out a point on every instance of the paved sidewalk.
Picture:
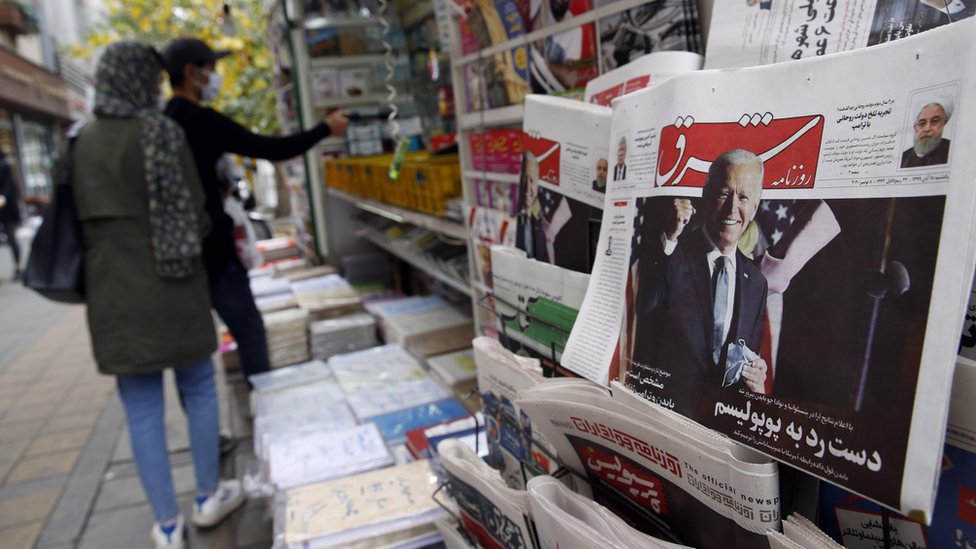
(66, 473)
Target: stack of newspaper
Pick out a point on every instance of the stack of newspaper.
(290, 376)
(287, 333)
(514, 446)
(384, 508)
(427, 325)
(675, 479)
(568, 520)
(278, 414)
(491, 512)
(389, 387)
(536, 303)
(306, 457)
(386, 311)
(800, 533)
(325, 296)
(343, 334)
(455, 370)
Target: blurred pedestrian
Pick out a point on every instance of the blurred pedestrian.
(9, 210)
(141, 207)
(191, 65)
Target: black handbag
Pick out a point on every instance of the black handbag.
(56, 267)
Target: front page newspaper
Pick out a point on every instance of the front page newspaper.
(791, 255)
(760, 32)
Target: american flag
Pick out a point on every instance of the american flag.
(775, 217)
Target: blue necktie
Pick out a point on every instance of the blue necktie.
(720, 304)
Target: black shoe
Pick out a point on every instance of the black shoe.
(227, 443)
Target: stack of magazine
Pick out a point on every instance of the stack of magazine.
(344, 334)
(393, 507)
(287, 333)
(325, 296)
(389, 387)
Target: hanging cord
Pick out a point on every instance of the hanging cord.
(400, 144)
(390, 71)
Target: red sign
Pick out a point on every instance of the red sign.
(626, 476)
(789, 148)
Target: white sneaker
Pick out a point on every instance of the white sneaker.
(209, 510)
(168, 537)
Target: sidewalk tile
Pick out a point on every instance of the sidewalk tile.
(11, 450)
(60, 423)
(10, 432)
(27, 507)
(120, 529)
(43, 466)
(58, 442)
(37, 412)
(127, 491)
(21, 536)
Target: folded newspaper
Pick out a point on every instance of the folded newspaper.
(668, 477)
(640, 73)
(568, 520)
(799, 533)
(564, 177)
(536, 303)
(824, 222)
(514, 449)
(492, 513)
(759, 32)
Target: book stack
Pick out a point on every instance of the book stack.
(393, 507)
(341, 335)
(368, 269)
(278, 249)
(287, 333)
(389, 387)
(325, 296)
(455, 370)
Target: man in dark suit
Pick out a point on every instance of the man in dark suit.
(620, 168)
(698, 293)
(930, 148)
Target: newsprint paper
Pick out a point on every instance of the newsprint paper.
(814, 317)
(760, 32)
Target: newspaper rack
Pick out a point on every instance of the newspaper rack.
(551, 366)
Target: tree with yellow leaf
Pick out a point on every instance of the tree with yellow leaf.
(247, 94)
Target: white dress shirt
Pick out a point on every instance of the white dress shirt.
(713, 254)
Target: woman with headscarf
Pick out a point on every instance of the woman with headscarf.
(141, 209)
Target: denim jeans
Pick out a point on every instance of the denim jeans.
(230, 294)
(142, 396)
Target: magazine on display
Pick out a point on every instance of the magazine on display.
(567, 60)
(488, 227)
(664, 25)
(792, 271)
(536, 303)
(759, 32)
(564, 178)
(665, 476)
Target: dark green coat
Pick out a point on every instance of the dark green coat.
(139, 322)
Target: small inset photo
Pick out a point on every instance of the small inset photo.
(930, 116)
